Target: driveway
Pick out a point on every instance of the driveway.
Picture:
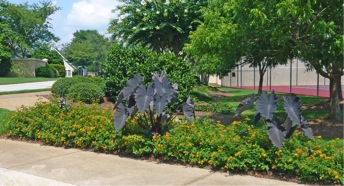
(14, 101)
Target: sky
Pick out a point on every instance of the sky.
(78, 15)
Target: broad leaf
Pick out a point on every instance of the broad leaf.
(276, 134)
(289, 128)
(144, 97)
(160, 103)
(292, 106)
(256, 118)
(163, 86)
(132, 108)
(307, 130)
(189, 109)
(119, 100)
(266, 105)
(245, 104)
(121, 116)
(131, 86)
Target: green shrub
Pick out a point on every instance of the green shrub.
(61, 86)
(85, 92)
(46, 71)
(5, 61)
(60, 69)
(237, 147)
(123, 63)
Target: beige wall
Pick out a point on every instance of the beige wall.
(29, 65)
(280, 75)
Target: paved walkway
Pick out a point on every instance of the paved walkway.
(15, 101)
(23, 163)
(26, 86)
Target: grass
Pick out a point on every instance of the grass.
(25, 91)
(227, 105)
(16, 80)
(5, 116)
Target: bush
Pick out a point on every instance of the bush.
(60, 69)
(85, 92)
(5, 61)
(61, 86)
(122, 63)
(46, 71)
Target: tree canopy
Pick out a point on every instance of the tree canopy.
(162, 25)
(235, 33)
(45, 53)
(88, 48)
(29, 26)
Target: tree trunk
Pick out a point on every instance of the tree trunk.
(261, 79)
(334, 98)
(340, 94)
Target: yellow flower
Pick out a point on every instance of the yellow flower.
(318, 137)
(336, 177)
(273, 167)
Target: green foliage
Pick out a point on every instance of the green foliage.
(28, 26)
(46, 71)
(5, 117)
(162, 26)
(52, 56)
(18, 70)
(5, 62)
(88, 48)
(122, 63)
(60, 69)
(61, 86)
(85, 92)
(237, 147)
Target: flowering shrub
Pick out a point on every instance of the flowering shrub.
(237, 147)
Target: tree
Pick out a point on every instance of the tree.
(52, 56)
(88, 48)
(317, 31)
(5, 53)
(235, 33)
(29, 26)
(163, 26)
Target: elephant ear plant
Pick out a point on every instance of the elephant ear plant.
(152, 102)
(278, 131)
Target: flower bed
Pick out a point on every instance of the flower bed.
(237, 147)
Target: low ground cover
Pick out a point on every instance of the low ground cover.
(15, 80)
(237, 147)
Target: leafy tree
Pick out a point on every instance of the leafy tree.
(235, 33)
(317, 31)
(28, 26)
(52, 56)
(161, 25)
(88, 48)
(5, 53)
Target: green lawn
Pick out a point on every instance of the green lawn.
(5, 116)
(227, 105)
(16, 80)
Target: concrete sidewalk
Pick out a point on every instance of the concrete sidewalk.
(23, 163)
(26, 86)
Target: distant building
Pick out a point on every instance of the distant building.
(70, 68)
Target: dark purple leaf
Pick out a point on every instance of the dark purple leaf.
(289, 128)
(245, 104)
(256, 118)
(276, 134)
(163, 86)
(266, 105)
(121, 116)
(188, 109)
(131, 86)
(307, 130)
(119, 100)
(160, 103)
(144, 97)
(292, 106)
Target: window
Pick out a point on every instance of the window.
(69, 73)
